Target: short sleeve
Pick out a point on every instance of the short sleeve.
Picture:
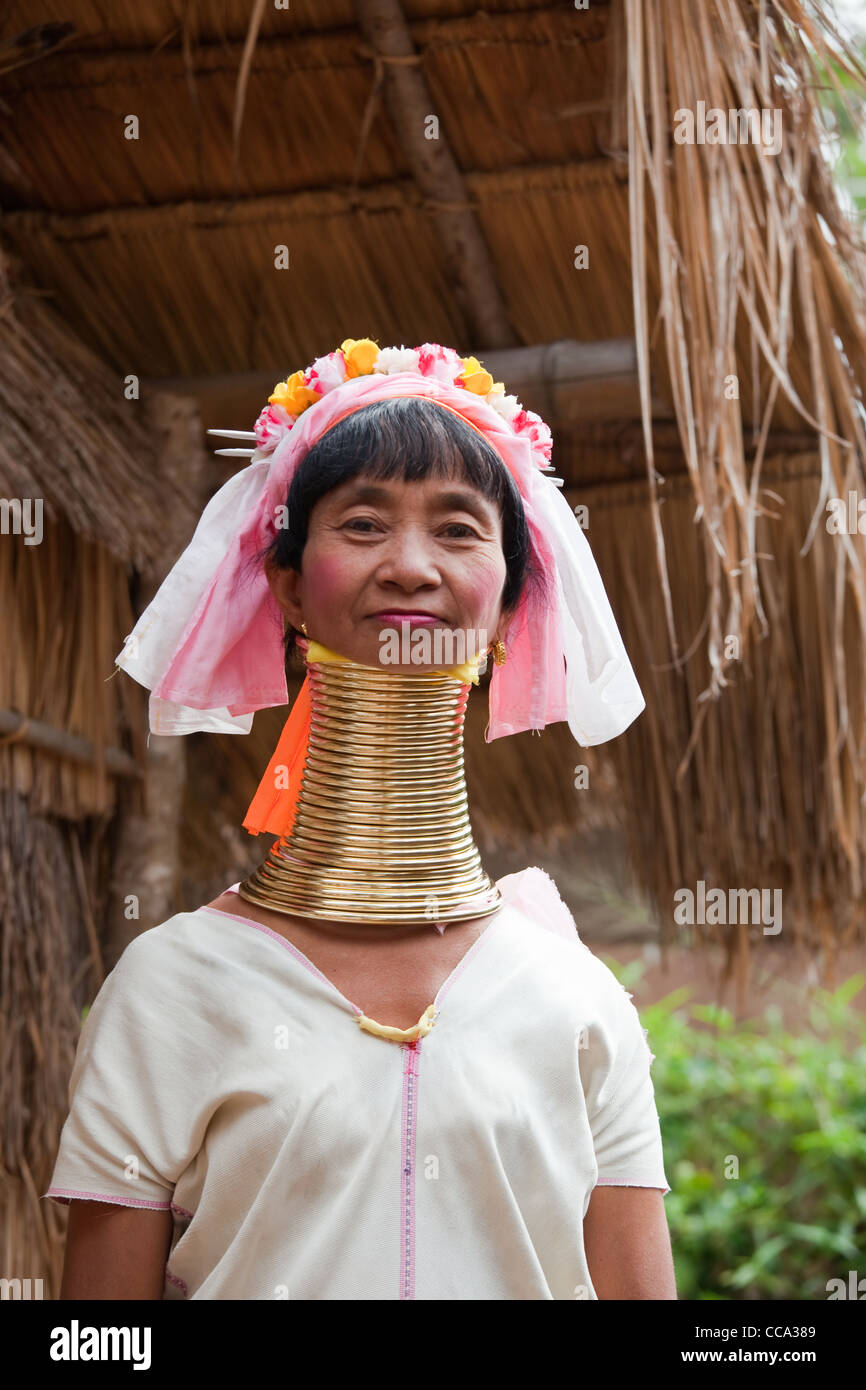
(620, 1097)
(132, 1128)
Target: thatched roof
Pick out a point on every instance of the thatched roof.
(177, 227)
(72, 439)
(732, 270)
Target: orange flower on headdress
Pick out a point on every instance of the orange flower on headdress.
(475, 378)
(359, 355)
(293, 395)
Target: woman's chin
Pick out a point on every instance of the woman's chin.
(418, 647)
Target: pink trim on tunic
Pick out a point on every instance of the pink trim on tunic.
(407, 1176)
(293, 950)
(59, 1194)
(177, 1281)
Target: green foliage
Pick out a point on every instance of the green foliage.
(790, 1110)
(844, 110)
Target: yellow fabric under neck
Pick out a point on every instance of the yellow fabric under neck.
(468, 673)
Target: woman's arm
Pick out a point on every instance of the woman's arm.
(115, 1251)
(627, 1243)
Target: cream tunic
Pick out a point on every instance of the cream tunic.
(220, 1074)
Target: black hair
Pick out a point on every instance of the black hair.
(412, 438)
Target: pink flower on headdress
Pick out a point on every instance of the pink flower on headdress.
(440, 362)
(528, 423)
(272, 424)
(326, 373)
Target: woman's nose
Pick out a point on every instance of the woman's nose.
(408, 560)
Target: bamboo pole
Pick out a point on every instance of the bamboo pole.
(398, 68)
(19, 728)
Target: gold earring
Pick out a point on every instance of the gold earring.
(499, 652)
(304, 629)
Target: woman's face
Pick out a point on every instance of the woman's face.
(385, 556)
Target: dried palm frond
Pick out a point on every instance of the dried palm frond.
(72, 439)
(749, 259)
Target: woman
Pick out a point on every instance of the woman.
(239, 1126)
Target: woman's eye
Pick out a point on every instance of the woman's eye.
(461, 526)
(358, 523)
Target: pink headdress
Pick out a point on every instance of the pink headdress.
(209, 645)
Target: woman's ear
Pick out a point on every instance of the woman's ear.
(285, 585)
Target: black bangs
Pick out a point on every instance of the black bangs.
(407, 438)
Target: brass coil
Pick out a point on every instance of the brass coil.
(381, 831)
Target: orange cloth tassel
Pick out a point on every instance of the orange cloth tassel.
(272, 809)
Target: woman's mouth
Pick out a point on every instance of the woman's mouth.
(394, 618)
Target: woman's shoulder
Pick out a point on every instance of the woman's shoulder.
(533, 892)
(180, 944)
(169, 981)
(536, 898)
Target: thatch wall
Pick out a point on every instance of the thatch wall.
(111, 508)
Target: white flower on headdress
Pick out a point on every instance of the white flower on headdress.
(391, 360)
(506, 406)
(272, 424)
(440, 362)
